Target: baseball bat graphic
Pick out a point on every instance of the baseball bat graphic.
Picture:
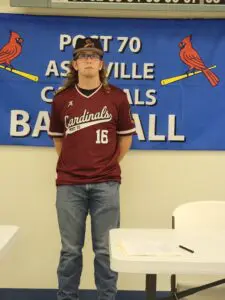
(21, 73)
(180, 77)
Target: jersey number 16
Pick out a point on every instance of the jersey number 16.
(102, 136)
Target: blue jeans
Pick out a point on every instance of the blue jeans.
(73, 204)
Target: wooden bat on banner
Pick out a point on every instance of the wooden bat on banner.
(180, 77)
(21, 73)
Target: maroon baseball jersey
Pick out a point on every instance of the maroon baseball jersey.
(90, 126)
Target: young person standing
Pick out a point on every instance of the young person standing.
(92, 129)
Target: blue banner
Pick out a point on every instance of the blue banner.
(171, 70)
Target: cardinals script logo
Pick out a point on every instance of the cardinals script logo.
(9, 52)
(191, 58)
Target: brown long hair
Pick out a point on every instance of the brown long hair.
(72, 78)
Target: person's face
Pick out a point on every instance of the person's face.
(88, 64)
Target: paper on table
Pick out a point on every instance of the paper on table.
(148, 248)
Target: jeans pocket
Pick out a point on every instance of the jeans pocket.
(112, 183)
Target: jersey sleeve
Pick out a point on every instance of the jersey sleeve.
(56, 127)
(126, 125)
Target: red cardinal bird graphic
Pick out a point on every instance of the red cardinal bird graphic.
(11, 50)
(191, 58)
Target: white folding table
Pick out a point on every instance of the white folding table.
(208, 257)
(7, 235)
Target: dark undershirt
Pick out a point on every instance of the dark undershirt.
(87, 92)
